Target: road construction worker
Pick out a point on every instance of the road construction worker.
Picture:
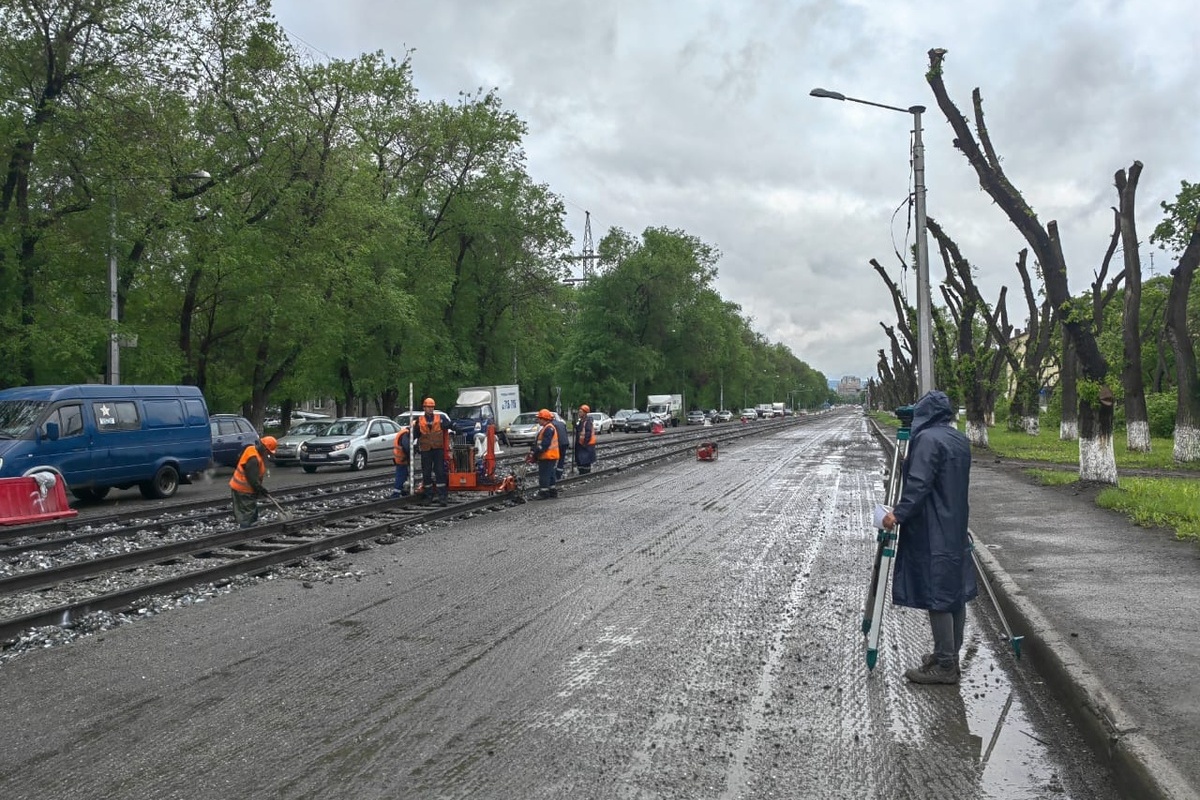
(400, 452)
(431, 429)
(545, 452)
(564, 446)
(247, 481)
(585, 441)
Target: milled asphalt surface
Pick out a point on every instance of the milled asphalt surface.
(681, 634)
(1111, 616)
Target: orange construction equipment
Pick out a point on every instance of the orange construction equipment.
(472, 471)
(707, 451)
(35, 498)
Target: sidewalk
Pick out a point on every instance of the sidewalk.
(1110, 613)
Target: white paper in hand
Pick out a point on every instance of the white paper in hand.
(881, 511)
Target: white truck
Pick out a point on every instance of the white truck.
(479, 406)
(667, 408)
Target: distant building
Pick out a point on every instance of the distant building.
(849, 386)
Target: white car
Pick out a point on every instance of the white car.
(601, 422)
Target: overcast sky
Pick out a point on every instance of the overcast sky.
(696, 115)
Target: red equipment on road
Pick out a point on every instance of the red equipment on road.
(36, 498)
(707, 451)
(471, 471)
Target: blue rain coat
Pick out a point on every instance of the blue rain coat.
(934, 569)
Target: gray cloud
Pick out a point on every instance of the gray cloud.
(695, 114)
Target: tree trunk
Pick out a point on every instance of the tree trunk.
(1068, 429)
(1137, 425)
(1187, 409)
(1047, 249)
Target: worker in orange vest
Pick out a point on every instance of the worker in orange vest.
(247, 481)
(585, 441)
(545, 451)
(400, 452)
(430, 429)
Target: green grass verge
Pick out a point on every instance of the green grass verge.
(1152, 502)
(1167, 502)
(1046, 446)
(1164, 502)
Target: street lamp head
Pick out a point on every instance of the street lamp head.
(827, 93)
(200, 175)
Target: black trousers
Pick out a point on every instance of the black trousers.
(433, 472)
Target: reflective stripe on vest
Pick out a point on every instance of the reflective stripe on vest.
(238, 482)
(431, 438)
(399, 451)
(551, 452)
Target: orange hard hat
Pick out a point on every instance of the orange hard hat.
(545, 414)
(269, 443)
(585, 408)
(429, 402)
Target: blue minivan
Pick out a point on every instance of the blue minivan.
(97, 437)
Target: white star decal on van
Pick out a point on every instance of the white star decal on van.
(105, 412)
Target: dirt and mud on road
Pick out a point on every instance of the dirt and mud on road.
(688, 632)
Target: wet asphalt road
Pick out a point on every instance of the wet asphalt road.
(689, 632)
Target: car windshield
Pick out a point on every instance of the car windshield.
(623, 413)
(310, 429)
(18, 416)
(640, 415)
(467, 412)
(596, 415)
(526, 419)
(346, 428)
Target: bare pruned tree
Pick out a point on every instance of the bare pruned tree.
(1096, 458)
(1137, 424)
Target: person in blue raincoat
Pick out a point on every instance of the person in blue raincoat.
(934, 569)
(585, 441)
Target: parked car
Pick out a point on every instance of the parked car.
(696, 417)
(639, 422)
(405, 418)
(287, 449)
(230, 436)
(724, 415)
(524, 427)
(601, 422)
(620, 417)
(352, 442)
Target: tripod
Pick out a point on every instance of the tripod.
(886, 543)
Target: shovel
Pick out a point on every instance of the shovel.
(286, 516)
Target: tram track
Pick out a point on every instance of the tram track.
(47, 579)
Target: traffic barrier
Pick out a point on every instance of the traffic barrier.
(36, 498)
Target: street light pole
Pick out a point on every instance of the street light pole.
(924, 302)
(114, 341)
(114, 345)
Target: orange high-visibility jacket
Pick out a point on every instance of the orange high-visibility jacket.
(239, 482)
(400, 447)
(551, 451)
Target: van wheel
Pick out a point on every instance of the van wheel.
(162, 485)
(90, 495)
(310, 470)
(359, 462)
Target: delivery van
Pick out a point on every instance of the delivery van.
(96, 437)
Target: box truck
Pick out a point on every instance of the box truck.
(478, 406)
(667, 408)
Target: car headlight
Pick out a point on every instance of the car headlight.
(340, 446)
(303, 447)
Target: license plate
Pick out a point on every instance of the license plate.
(316, 456)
